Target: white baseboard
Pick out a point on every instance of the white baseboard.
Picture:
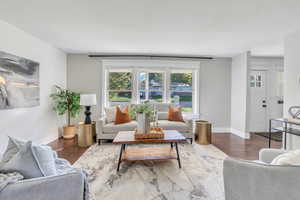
(48, 140)
(221, 130)
(241, 134)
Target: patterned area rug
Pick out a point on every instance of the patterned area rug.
(199, 178)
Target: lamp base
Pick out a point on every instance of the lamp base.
(87, 115)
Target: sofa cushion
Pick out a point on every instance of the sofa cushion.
(162, 115)
(173, 125)
(114, 128)
(162, 107)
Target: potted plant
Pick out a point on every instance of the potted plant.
(144, 112)
(66, 102)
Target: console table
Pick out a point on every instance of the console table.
(287, 126)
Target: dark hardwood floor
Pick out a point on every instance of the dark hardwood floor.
(230, 144)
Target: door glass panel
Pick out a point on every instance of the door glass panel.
(258, 84)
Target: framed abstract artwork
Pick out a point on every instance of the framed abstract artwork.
(19, 82)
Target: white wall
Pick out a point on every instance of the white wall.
(39, 123)
(239, 93)
(291, 80)
(214, 86)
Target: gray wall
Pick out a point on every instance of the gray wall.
(215, 91)
(84, 75)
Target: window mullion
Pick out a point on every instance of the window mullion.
(147, 86)
(167, 92)
(134, 86)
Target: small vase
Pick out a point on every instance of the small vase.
(143, 123)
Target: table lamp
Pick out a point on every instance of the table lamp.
(88, 100)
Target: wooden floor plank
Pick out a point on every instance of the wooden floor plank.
(230, 144)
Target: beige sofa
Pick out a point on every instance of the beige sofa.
(108, 131)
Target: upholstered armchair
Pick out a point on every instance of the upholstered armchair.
(67, 186)
(259, 180)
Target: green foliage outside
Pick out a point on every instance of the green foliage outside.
(120, 80)
(66, 101)
(186, 78)
(187, 109)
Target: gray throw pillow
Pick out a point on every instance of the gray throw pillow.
(44, 157)
(24, 163)
(12, 149)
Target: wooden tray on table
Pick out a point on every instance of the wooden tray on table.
(155, 133)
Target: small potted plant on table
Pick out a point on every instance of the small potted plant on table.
(67, 102)
(144, 113)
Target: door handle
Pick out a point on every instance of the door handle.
(264, 106)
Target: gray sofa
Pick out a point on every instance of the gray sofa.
(68, 186)
(246, 180)
(108, 131)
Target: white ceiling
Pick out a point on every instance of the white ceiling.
(185, 27)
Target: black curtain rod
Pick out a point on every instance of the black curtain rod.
(148, 56)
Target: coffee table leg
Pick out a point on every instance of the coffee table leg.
(120, 157)
(171, 145)
(178, 158)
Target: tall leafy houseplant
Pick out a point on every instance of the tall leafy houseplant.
(66, 102)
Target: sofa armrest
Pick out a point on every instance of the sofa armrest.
(100, 123)
(67, 186)
(267, 155)
(189, 122)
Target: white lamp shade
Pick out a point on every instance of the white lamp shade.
(88, 99)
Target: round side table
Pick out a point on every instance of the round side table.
(203, 132)
(86, 134)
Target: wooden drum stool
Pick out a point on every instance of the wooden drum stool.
(203, 132)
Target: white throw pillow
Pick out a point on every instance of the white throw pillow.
(110, 114)
(162, 115)
(289, 158)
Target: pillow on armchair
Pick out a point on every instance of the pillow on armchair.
(288, 158)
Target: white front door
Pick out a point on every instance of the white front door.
(258, 101)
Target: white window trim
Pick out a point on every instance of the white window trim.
(166, 67)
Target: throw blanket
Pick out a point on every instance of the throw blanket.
(8, 178)
(62, 167)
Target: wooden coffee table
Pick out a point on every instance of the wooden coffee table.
(148, 153)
